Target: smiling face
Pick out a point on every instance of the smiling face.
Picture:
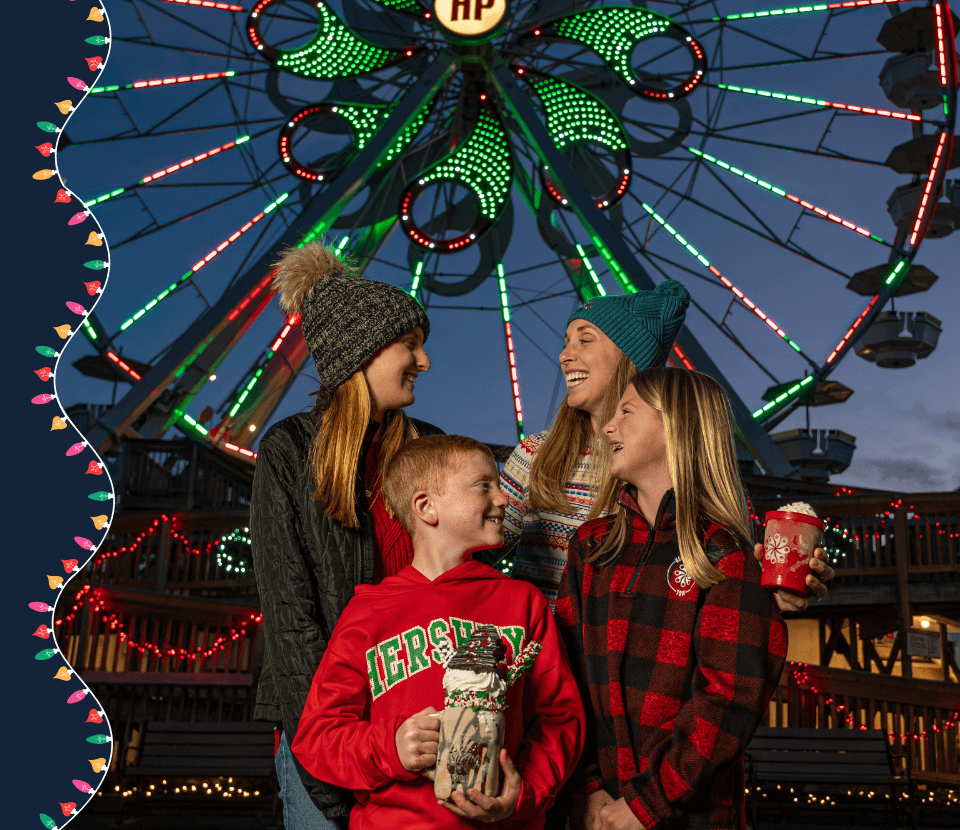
(469, 514)
(589, 362)
(392, 371)
(638, 442)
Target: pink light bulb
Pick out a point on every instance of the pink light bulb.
(76, 697)
(40, 606)
(76, 83)
(42, 399)
(76, 449)
(83, 786)
(86, 544)
(77, 218)
(76, 308)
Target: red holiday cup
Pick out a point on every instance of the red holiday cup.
(788, 545)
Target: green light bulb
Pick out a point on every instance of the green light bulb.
(96, 40)
(46, 351)
(95, 264)
(47, 126)
(102, 495)
(97, 739)
(46, 654)
(48, 822)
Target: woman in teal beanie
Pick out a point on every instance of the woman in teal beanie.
(552, 478)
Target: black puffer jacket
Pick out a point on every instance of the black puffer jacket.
(307, 566)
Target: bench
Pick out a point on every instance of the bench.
(823, 761)
(186, 752)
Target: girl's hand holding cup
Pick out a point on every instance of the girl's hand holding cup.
(791, 555)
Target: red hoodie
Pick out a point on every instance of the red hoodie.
(381, 667)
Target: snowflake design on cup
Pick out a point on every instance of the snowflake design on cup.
(776, 548)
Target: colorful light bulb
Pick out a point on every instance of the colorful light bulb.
(96, 40)
(46, 654)
(39, 606)
(43, 175)
(55, 582)
(76, 308)
(95, 264)
(44, 373)
(63, 674)
(43, 632)
(64, 106)
(47, 127)
(70, 565)
(86, 544)
(76, 449)
(95, 15)
(95, 63)
(83, 786)
(95, 717)
(101, 495)
(58, 423)
(77, 218)
(63, 331)
(48, 822)
(76, 83)
(99, 522)
(45, 149)
(94, 286)
(94, 239)
(77, 696)
(94, 469)
(41, 399)
(46, 351)
(98, 764)
(98, 739)
(62, 196)
(68, 807)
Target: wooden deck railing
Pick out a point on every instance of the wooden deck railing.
(115, 630)
(919, 716)
(905, 538)
(172, 553)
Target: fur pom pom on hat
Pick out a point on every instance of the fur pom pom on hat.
(346, 320)
(642, 325)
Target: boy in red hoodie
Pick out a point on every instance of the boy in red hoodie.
(370, 722)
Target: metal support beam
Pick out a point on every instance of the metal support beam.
(619, 255)
(324, 207)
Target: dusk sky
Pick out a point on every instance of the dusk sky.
(906, 422)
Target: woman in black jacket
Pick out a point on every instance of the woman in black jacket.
(317, 518)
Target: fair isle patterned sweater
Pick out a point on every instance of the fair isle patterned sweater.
(542, 550)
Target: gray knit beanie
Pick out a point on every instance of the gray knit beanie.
(642, 325)
(346, 320)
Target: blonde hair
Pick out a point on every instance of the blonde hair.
(423, 464)
(571, 434)
(335, 449)
(698, 425)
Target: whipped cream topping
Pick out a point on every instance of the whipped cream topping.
(465, 680)
(798, 507)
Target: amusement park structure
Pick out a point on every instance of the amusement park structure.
(503, 162)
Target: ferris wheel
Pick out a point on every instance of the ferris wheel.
(504, 161)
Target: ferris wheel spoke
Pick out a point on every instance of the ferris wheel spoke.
(823, 104)
(807, 60)
(150, 42)
(180, 21)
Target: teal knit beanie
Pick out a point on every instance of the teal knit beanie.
(642, 325)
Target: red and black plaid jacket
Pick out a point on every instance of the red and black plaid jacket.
(678, 678)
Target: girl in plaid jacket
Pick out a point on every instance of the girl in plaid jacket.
(673, 641)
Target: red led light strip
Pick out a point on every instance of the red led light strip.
(228, 241)
(941, 47)
(116, 359)
(683, 358)
(188, 162)
(851, 330)
(292, 320)
(831, 216)
(225, 7)
(747, 302)
(931, 177)
(514, 381)
(182, 79)
(241, 450)
(850, 5)
(246, 300)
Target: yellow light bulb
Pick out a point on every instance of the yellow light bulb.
(93, 239)
(95, 15)
(58, 423)
(64, 106)
(55, 581)
(40, 175)
(63, 331)
(98, 764)
(63, 674)
(99, 522)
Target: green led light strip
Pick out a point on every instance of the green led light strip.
(573, 114)
(368, 119)
(246, 391)
(408, 6)
(590, 271)
(783, 193)
(172, 169)
(817, 102)
(335, 52)
(197, 266)
(626, 286)
(415, 282)
(483, 163)
(511, 354)
(787, 396)
(706, 263)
